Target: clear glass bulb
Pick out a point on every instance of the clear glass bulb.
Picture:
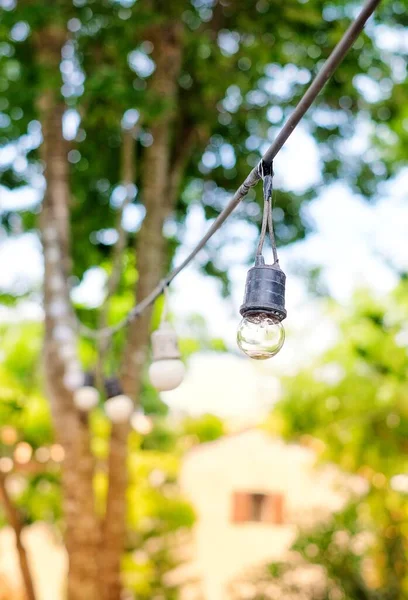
(260, 336)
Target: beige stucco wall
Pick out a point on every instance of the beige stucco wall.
(47, 560)
(254, 462)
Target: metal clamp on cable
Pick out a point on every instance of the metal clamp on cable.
(265, 170)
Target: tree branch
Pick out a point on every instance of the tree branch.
(150, 244)
(150, 250)
(181, 152)
(13, 517)
(128, 178)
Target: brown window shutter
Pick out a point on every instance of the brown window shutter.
(241, 507)
(274, 509)
(279, 509)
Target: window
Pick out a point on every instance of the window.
(257, 504)
(257, 507)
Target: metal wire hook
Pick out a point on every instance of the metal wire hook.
(165, 311)
(266, 173)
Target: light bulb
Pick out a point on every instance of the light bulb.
(141, 423)
(166, 371)
(166, 374)
(119, 409)
(86, 398)
(260, 336)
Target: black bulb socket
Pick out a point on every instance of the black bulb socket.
(264, 291)
(113, 387)
(89, 380)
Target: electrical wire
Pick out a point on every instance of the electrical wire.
(266, 172)
(326, 71)
(264, 227)
(272, 232)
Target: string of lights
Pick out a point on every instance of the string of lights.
(258, 173)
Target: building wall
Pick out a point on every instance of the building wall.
(251, 462)
(47, 559)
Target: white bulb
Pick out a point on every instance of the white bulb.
(141, 423)
(86, 398)
(119, 409)
(166, 374)
(73, 378)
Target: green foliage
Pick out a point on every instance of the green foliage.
(359, 554)
(22, 404)
(157, 514)
(244, 68)
(351, 407)
(157, 517)
(206, 428)
(230, 116)
(25, 430)
(357, 391)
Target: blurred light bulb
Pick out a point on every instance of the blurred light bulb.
(23, 453)
(57, 453)
(8, 435)
(86, 398)
(118, 406)
(6, 464)
(260, 336)
(42, 454)
(119, 409)
(141, 423)
(166, 375)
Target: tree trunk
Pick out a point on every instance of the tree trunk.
(150, 257)
(62, 371)
(114, 524)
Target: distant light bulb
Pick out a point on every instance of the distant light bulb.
(73, 377)
(260, 336)
(166, 371)
(119, 409)
(166, 374)
(141, 423)
(86, 398)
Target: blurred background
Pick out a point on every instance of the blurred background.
(125, 126)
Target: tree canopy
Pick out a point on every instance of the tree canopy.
(222, 123)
